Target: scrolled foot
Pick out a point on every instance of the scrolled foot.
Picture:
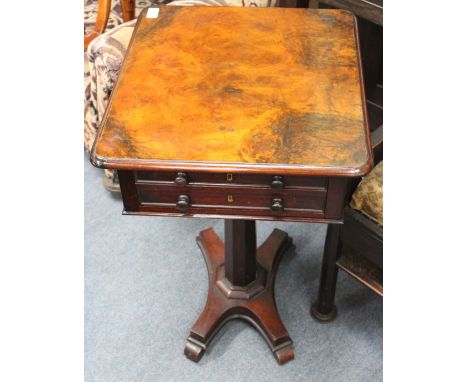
(284, 354)
(193, 351)
(320, 317)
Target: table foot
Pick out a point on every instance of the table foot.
(284, 354)
(193, 350)
(254, 303)
(321, 317)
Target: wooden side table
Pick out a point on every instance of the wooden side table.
(243, 114)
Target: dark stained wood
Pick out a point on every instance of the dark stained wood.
(218, 106)
(371, 45)
(369, 9)
(240, 247)
(363, 241)
(313, 199)
(335, 200)
(227, 179)
(128, 190)
(293, 3)
(358, 250)
(363, 236)
(220, 213)
(324, 308)
(255, 303)
(233, 197)
(377, 144)
(362, 270)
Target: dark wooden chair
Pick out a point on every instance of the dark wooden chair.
(356, 246)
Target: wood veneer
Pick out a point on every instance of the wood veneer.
(239, 89)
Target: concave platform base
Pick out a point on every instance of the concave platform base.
(254, 302)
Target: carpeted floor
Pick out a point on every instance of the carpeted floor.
(145, 284)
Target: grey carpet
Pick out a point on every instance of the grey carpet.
(145, 285)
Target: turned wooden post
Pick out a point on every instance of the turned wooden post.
(324, 308)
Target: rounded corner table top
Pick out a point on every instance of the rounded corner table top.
(239, 89)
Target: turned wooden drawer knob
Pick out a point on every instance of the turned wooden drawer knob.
(183, 202)
(277, 206)
(277, 182)
(181, 179)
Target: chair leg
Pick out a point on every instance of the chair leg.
(324, 309)
(128, 9)
(102, 17)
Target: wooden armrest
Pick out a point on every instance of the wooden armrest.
(101, 21)
(371, 10)
(128, 9)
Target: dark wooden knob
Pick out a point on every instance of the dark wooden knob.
(181, 179)
(277, 206)
(183, 202)
(277, 182)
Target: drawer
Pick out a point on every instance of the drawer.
(235, 198)
(312, 199)
(261, 180)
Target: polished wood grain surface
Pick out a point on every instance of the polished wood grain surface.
(239, 89)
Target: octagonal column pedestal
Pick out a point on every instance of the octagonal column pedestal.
(241, 285)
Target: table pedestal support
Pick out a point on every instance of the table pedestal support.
(241, 285)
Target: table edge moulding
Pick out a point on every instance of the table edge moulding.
(235, 167)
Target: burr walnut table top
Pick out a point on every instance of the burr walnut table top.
(239, 89)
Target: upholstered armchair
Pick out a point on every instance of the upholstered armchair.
(104, 55)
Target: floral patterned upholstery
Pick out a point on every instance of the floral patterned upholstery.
(368, 196)
(98, 77)
(105, 54)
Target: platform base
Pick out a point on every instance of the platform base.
(254, 303)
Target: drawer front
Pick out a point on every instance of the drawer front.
(157, 193)
(288, 181)
(236, 199)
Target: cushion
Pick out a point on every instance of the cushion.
(90, 117)
(104, 55)
(368, 196)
